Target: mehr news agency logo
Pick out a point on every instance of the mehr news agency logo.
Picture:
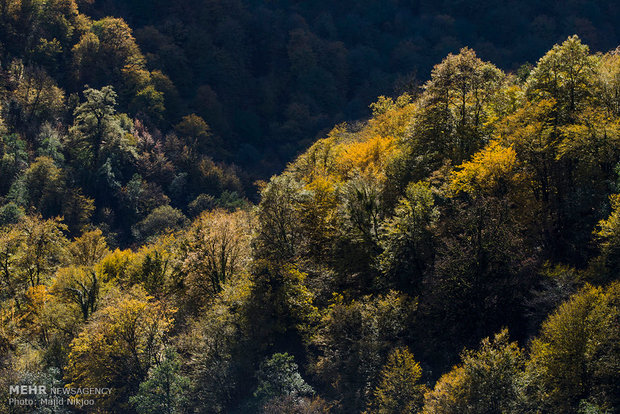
(42, 396)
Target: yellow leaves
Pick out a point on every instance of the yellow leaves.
(36, 299)
(346, 153)
(484, 382)
(301, 299)
(391, 118)
(530, 127)
(609, 228)
(594, 138)
(324, 193)
(89, 248)
(579, 340)
(368, 157)
(120, 342)
(115, 266)
(608, 82)
(495, 168)
(398, 390)
(216, 249)
(445, 396)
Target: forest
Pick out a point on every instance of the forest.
(455, 251)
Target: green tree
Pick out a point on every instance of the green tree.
(453, 118)
(80, 286)
(353, 340)
(10, 213)
(45, 187)
(161, 220)
(163, 392)
(38, 96)
(150, 102)
(407, 238)
(14, 160)
(108, 54)
(566, 75)
(221, 353)
(95, 124)
(278, 376)
(194, 129)
(278, 235)
(607, 264)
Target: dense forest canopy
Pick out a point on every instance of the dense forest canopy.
(456, 252)
(271, 76)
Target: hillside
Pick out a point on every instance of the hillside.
(271, 76)
(457, 252)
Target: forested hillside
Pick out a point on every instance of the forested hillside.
(268, 76)
(456, 252)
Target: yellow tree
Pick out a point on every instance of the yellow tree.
(216, 248)
(43, 245)
(30, 252)
(485, 382)
(576, 356)
(118, 346)
(80, 286)
(88, 249)
(492, 171)
(608, 83)
(398, 391)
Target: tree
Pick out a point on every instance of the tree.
(353, 340)
(566, 75)
(161, 220)
(452, 121)
(278, 233)
(152, 268)
(217, 248)
(12, 278)
(221, 352)
(163, 392)
(494, 170)
(607, 264)
(150, 102)
(108, 54)
(95, 124)
(196, 131)
(10, 213)
(576, 355)
(45, 187)
(79, 285)
(277, 377)
(485, 381)
(407, 238)
(14, 160)
(88, 249)
(608, 83)
(118, 346)
(39, 97)
(398, 391)
(30, 252)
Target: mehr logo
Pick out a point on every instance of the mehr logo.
(27, 389)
